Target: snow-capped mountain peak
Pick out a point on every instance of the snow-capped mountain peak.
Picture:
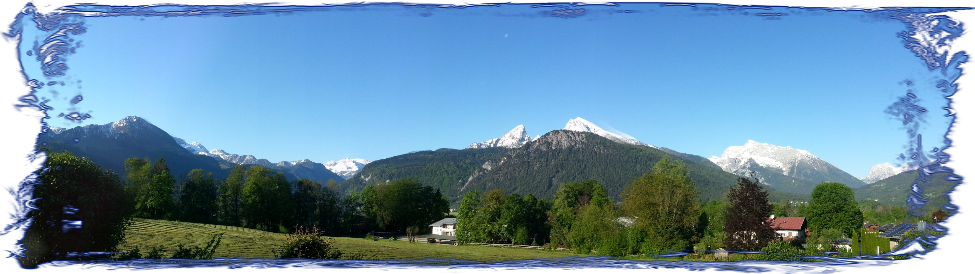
(346, 167)
(512, 139)
(128, 127)
(194, 147)
(735, 158)
(55, 130)
(130, 121)
(884, 171)
(579, 124)
(785, 168)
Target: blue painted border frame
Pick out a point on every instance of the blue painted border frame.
(24, 123)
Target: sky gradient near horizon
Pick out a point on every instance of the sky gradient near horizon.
(373, 82)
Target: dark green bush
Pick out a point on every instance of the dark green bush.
(304, 243)
(780, 251)
(195, 252)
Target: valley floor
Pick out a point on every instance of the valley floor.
(250, 243)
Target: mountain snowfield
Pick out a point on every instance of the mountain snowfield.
(735, 158)
(884, 171)
(784, 168)
(127, 124)
(344, 168)
(517, 137)
(579, 124)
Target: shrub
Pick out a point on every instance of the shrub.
(651, 249)
(737, 257)
(154, 253)
(196, 252)
(307, 244)
(613, 245)
(780, 251)
(133, 253)
(521, 236)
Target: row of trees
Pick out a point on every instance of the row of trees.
(494, 217)
(257, 197)
(78, 207)
(659, 212)
(81, 208)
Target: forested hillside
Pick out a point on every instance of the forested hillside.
(541, 166)
(562, 156)
(444, 169)
(895, 190)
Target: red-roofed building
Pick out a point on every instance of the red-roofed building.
(790, 228)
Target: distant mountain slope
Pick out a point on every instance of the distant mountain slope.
(346, 167)
(541, 166)
(582, 125)
(515, 138)
(895, 189)
(110, 144)
(291, 169)
(883, 171)
(564, 156)
(445, 169)
(783, 168)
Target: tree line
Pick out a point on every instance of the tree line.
(659, 212)
(80, 207)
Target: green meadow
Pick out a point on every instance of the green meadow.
(247, 243)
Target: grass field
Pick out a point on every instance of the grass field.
(249, 243)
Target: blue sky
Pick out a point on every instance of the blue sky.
(378, 81)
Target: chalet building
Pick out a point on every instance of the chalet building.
(445, 227)
(789, 228)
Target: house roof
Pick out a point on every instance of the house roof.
(842, 241)
(898, 231)
(788, 223)
(449, 221)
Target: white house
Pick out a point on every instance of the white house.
(790, 228)
(445, 227)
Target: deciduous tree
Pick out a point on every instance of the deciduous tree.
(665, 205)
(746, 224)
(230, 202)
(308, 198)
(153, 187)
(466, 221)
(78, 208)
(568, 203)
(198, 197)
(833, 206)
(267, 202)
(403, 203)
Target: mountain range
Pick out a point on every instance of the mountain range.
(540, 166)
(884, 171)
(783, 168)
(514, 162)
(110, 144)
(896, 189)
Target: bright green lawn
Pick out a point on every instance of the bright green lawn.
(249, 243)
